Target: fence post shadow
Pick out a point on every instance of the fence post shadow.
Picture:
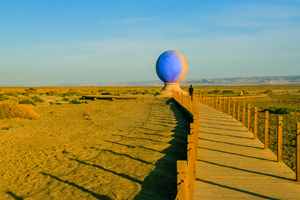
(10, 193)
(162, 182)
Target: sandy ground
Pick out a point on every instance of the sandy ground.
(123, 149)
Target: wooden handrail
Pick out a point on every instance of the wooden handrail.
(186, 170)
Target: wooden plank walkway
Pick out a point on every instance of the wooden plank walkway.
(231, 165)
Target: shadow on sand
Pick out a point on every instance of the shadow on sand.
(161, 184)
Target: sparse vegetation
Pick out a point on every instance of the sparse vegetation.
(71, 93)
(52, 93)
(214, 92)
(30, 91)
(276, 110)
(11, 109)
(27, 101)
(37, 99)
(75, 101)
(6, 128)
(227, 92)
(12, 94)
(3, 97)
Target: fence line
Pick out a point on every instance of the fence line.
(241, 117)
(186, 169)
(298, 153)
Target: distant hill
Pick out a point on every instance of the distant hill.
(268, 80)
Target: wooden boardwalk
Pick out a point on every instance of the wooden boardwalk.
(231, 165)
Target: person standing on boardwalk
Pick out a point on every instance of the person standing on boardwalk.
(191, 91)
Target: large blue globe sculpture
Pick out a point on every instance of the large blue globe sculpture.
(171, 68)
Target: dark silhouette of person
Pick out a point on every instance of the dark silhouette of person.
(191, 91)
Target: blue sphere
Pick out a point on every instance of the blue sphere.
(171, 67)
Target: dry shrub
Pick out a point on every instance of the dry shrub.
(11, 109)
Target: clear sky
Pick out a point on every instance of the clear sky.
(53, 42)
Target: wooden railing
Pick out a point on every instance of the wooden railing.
(186, 169)
(239, 110)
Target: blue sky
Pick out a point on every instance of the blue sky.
(53, 42)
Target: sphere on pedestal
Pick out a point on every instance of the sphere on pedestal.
(171, 67)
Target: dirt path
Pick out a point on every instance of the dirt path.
(100, 150)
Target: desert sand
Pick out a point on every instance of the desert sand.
(123, 149)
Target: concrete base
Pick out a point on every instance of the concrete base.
(169, 87)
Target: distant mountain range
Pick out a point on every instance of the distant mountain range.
(268, 80)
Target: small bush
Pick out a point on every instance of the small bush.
(153, 92)
(3, 97)
(30, 91)
(75, 101)
(227, 92)
(37, 99)
(72, 94)
(27, 101)
(276, 110)
(52, 93)
(12, 94)
(11, 109)
(6, 128)
(65, 99)
(214, 92)
(267, 91)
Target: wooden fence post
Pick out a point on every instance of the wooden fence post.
(233, 109)
(248, 119)
(200, 97)
(212, 100)
(209, 100)
(224, 103)
(238, 111)
(220, 104)
(298, 153)
(182, 186)
(255, 124)
(266, 129)
(228, 106)
(279, 141)
(191, 160)
(244, 113)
